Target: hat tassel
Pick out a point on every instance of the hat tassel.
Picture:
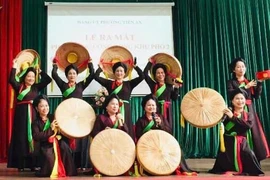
(182, 121)
(221, 137)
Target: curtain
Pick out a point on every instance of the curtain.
(208, 34)
(10, 45)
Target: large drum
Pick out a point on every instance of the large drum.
(158, 152)
(75, 117)
(203, 107)
(112, 152)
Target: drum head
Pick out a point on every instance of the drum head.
(112, 152)
(203, 107)
(75, 117)
(158, 152)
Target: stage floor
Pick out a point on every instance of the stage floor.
(201, 165)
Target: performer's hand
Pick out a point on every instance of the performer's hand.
(135, 62)
(14, 63)
(90, 60)
(151, 60)
(252, 83)
(228, 112)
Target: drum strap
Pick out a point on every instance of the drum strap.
(69, 91)
(160, 90)
(149, 126)
(47, 125)
(115, 125)
(118, 89)
(23, 93)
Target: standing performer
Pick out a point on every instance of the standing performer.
(21, 145)
(256, 137)
(152, 120)
(237, 155)
(55, 154)
(164, 91)
(74, 58)
(118, 71)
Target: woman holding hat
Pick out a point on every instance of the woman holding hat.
(238, 156)
(257, 140)
(164, 92)
(152, 120)
(21, 145)
(72, 89)
(122, 88)
(55, 154)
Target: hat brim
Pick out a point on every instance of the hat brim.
(65, 50)
(174, 69)
(113, 55)
(26, 57)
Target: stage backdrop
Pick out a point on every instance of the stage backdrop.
(208, 34)
(143, 28)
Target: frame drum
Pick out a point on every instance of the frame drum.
(75, 117)
(112, 152)
(158, 152)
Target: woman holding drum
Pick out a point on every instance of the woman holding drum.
(73, 58)
(152, 120)
(55, 154)
(237, 155)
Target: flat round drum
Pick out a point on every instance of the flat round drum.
(203, 107)
(158, 152)
(75, 117)
(112, 152)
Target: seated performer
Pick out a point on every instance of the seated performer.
(111, 118)
(152, 120)
(55, 155)
(237, 155)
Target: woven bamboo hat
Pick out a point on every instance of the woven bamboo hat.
(113, 55)
(203, 107)
(112, 152)
(158, 152)
(173, 66)
(75, 117)
(72, 53)
(27, 58)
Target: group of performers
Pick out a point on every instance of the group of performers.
(34, 134)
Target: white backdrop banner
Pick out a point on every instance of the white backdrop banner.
(143, 28)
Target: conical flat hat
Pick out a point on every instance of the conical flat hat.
(112, 152)
(75, 117)
(158, 152)
(174, 69)
(113, 55)
(203, 107)
(72, 53)
(27, 58)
